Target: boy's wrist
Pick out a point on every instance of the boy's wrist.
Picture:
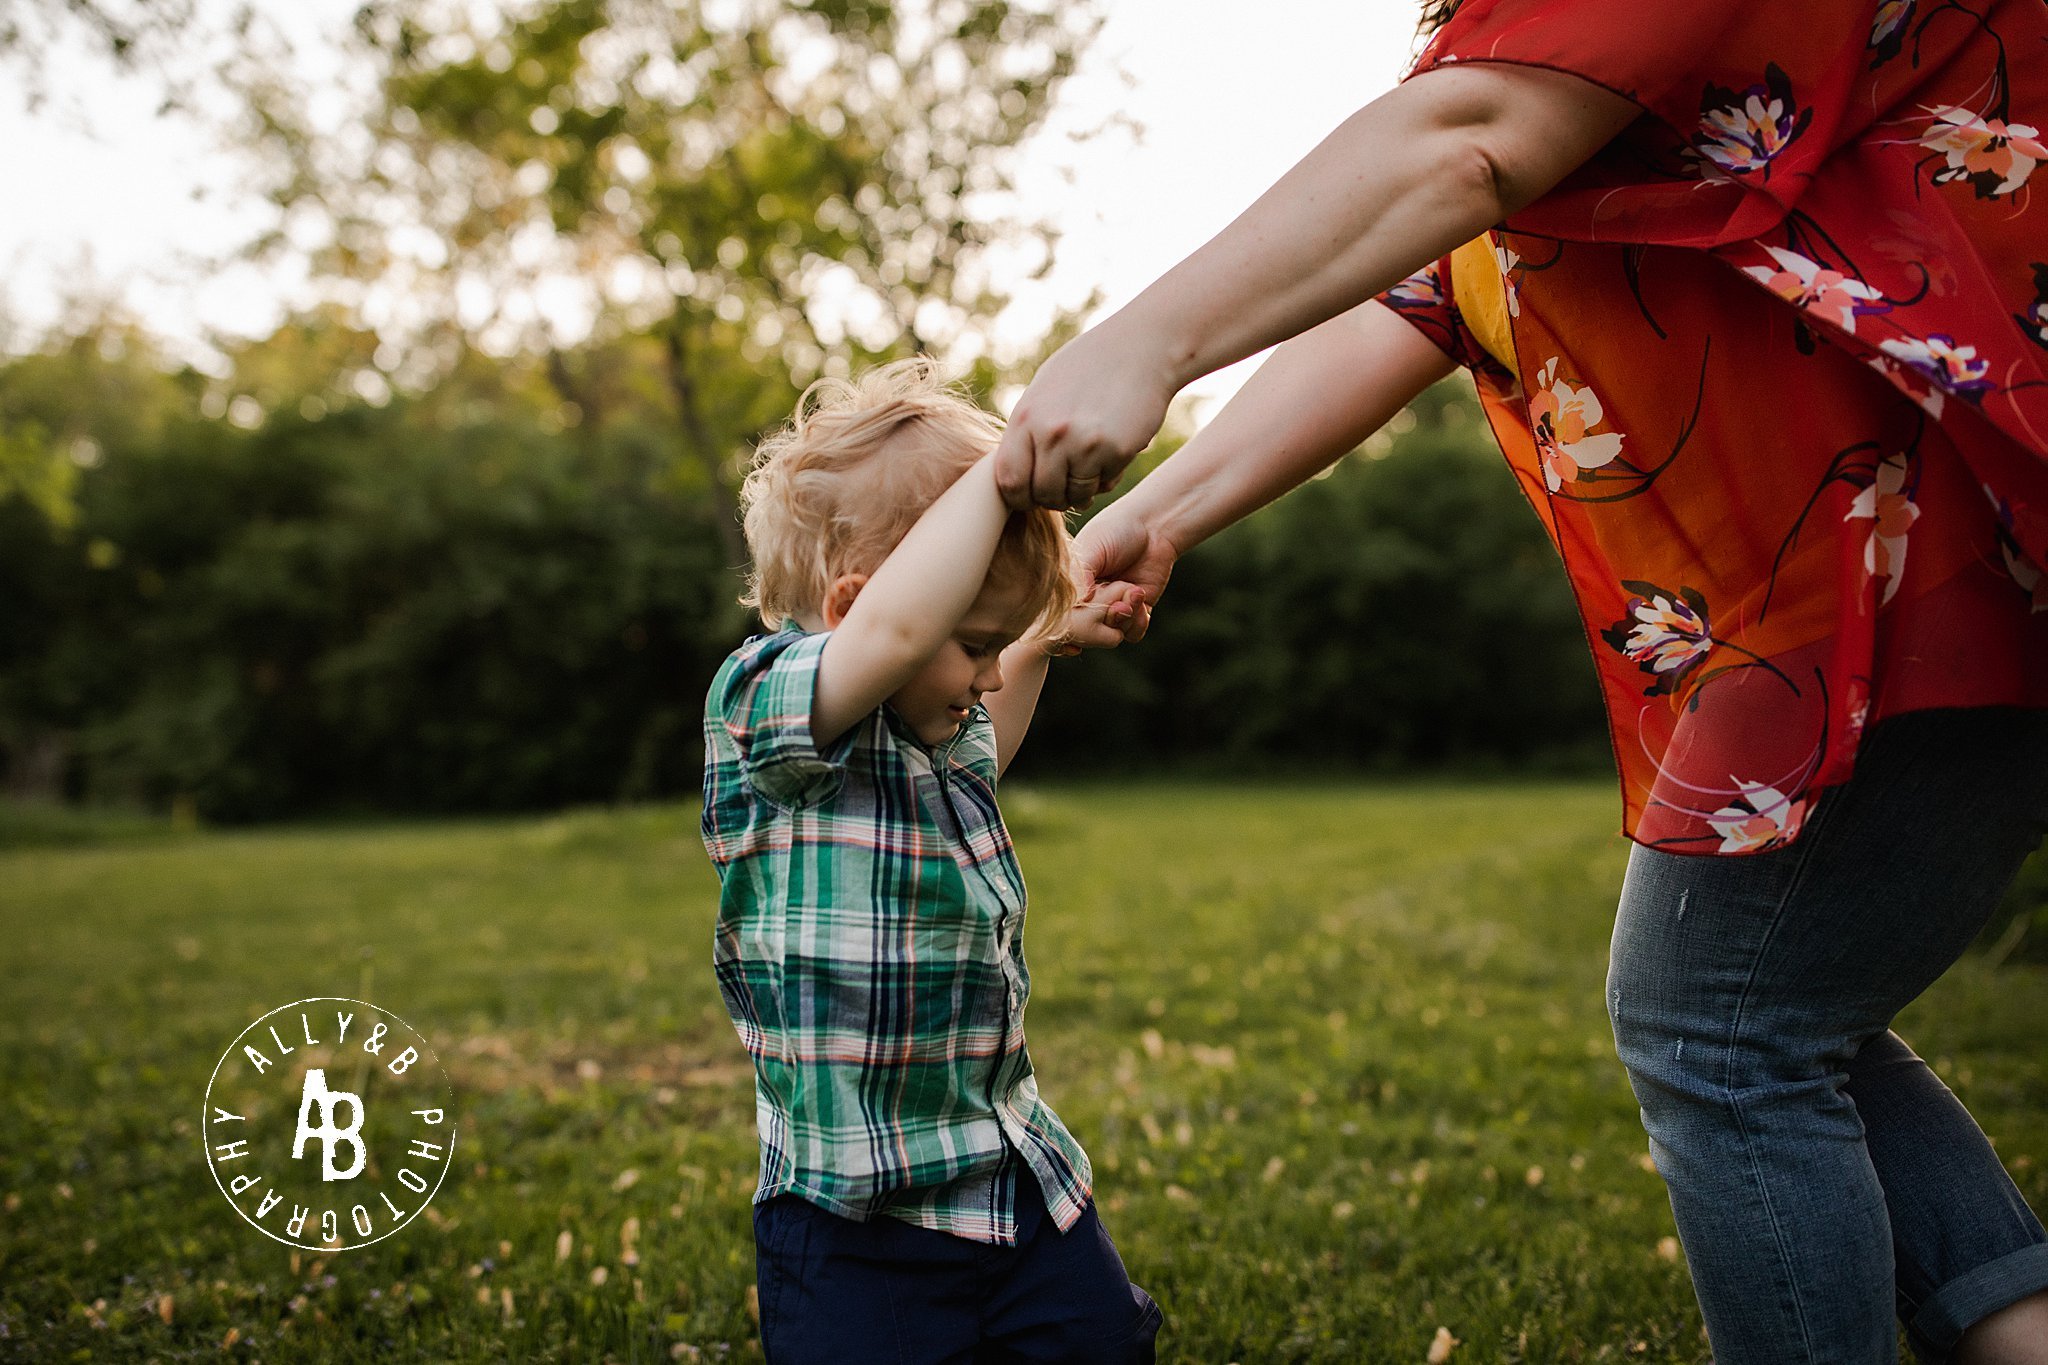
(1045, 643)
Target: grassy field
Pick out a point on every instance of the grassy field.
(1338, 1052)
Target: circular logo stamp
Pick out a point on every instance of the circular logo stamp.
(329, 1124)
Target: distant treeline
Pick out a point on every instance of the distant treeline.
(465, 600)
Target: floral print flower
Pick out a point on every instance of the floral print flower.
(1826, 292)
(1952, 368)
(1508, 260)
(1912, 383)
(2034, 321)
(1562, 417)
(1663, 633)
(1888, 504)
(1990, 155)
(1888, 29)
(1423, 290)
(1742, 132)
(1762, 817)
(2023, 570)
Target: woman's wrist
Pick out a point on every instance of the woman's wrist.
(1158, 328)
(1163, 507)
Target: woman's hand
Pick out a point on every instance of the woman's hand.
(1090, 409)
(1423, 168)
(1318, 396)
(1125, 562)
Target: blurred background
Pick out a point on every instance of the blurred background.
(377, 378)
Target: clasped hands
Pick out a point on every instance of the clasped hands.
(1087, 414)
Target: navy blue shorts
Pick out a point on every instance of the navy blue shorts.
(886, 1292)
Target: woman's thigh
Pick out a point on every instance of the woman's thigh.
(1796, 957)
(1743, 991)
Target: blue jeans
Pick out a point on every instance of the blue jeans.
(1822, 1177)
(887, 1292)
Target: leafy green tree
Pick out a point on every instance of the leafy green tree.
(768, 191)
(451, 601)
(103, 388)
(420, 606)
(35, 472)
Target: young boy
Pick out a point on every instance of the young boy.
(918, 1201)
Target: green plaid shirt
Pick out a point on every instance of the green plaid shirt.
(870, 951)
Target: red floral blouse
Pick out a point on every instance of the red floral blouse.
(1780, 390)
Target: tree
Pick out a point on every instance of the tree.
(172, 45)
(772, 191)
(169, 45)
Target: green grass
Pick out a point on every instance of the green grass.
(1319, 1040)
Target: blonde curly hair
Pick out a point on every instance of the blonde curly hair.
(834, 490)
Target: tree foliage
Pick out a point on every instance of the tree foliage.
(454, 601)
(768, 191)
(440, 603)
(136, 36)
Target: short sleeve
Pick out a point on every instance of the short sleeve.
(1424, 300)
(1743, 103)
(763, 699)
(1647, 55)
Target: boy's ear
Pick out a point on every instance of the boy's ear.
(839, 598)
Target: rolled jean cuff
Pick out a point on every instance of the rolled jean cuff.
(1963, 1302)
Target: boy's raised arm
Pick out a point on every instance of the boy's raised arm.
(907, 608)
(1025, 662)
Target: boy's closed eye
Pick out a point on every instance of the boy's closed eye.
(986, 646)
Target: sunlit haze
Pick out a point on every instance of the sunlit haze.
(132, 206)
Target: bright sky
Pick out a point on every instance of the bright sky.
(1229, 96)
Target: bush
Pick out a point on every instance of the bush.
(453, 603)
(356, 613)
(1404, 611)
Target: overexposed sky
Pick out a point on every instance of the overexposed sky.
(1229, 96)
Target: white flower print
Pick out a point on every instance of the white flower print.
(1562, 416)
(1891, 512)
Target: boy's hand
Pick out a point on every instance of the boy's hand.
(1103, 621)
(1099, 621)
(1122, 555)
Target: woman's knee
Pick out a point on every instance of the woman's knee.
(1699, 1024)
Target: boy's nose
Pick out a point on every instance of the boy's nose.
(990, 679)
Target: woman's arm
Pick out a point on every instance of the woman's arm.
(1427, 166)
(1317, 397)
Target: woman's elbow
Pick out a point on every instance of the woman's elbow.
(1515, 131)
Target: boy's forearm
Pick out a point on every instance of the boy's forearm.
(920, 592)
(910, 604)
(1316, 398)
(1025, 665)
